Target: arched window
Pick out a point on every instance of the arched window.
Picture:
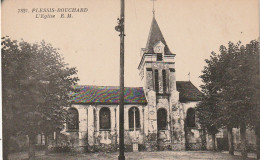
(190, 119)
(73, 121)
(134, 112)
(104, 119)
(161, 119)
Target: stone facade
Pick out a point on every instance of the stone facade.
(90, 137)
(161, 113)
(164, 116)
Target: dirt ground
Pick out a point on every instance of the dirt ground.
(168, 155)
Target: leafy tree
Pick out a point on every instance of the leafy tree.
(10, 90)
(36, 87)
(240, 88)
(232, 83)
(208, 109)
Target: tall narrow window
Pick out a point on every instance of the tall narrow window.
(156, 81)
(161, 119)
(190, 119)
(104, 119)
(164, 81)
(73, 120)
(133, 113)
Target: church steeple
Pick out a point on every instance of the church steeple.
(156, 36)
(157, 66)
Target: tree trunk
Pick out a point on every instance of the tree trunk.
(46, 144)
(230, 141)
(258, 146)
(203, 139)
(243, 141)
(257, 135)
(31, 152)
(8, 129)
(5, 146)
(214, 142)
(57, 136)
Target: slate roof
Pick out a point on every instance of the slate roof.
(188, 92)
(155, 35)
(108, 95)
(133, 95)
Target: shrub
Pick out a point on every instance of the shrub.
(61, 149)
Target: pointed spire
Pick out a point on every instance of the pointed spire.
(155, 36)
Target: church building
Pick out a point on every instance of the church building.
(159, 115)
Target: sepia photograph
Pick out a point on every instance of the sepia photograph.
(130, 79)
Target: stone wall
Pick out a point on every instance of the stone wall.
(193, 135)
(89, 135)
(177, 122)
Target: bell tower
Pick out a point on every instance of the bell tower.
(157, 73)
(157, 66)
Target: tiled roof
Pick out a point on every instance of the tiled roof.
(188, 92)
(154, 37)
(133, 95)
(108, 95)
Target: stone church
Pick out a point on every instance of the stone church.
(159, 115)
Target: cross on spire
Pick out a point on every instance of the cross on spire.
(153, 8)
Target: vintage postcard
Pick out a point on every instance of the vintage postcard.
(130, 79)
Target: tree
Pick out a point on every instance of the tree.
(231, 81)
(240, 84)
(207, 109)
(36, 87)
(10, 90)
(207, 117)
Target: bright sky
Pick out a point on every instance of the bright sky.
(88, 41)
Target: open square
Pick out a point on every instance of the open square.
(166, 155)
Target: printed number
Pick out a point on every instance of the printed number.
(22, 10)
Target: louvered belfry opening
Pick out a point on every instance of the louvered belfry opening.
(164, 81)
(156, 81)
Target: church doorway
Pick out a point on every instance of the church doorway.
(161, 127)
(161, 119)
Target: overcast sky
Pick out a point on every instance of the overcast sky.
(88, 41)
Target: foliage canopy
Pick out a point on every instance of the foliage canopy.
(36, 86)
(231, 87)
